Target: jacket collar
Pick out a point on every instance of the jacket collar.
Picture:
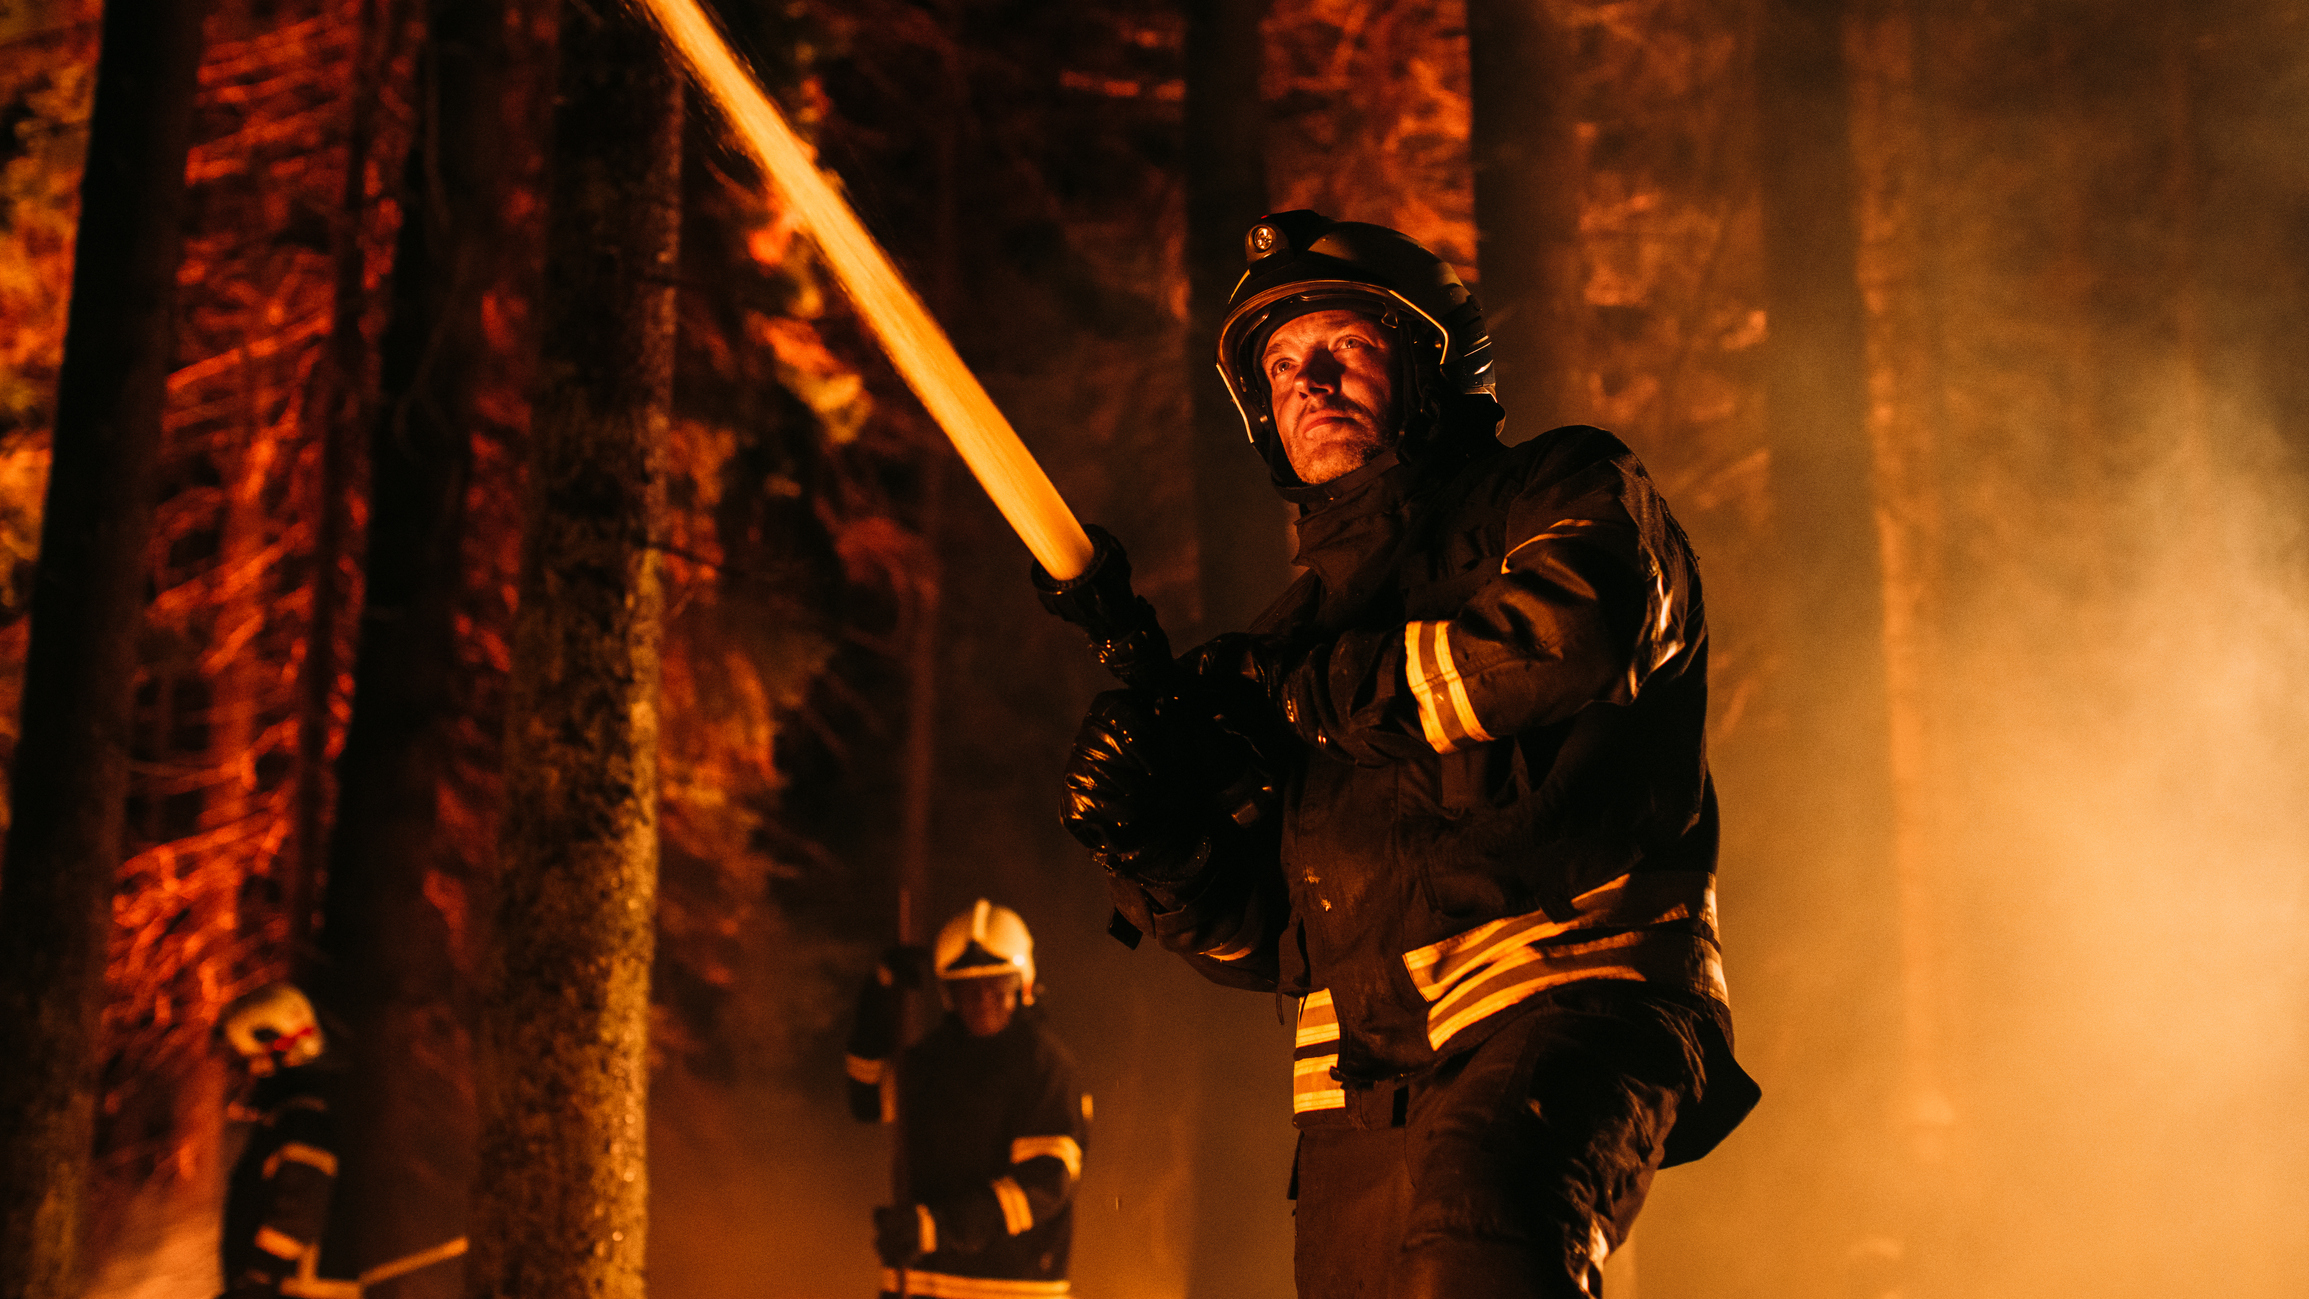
(1351, 529)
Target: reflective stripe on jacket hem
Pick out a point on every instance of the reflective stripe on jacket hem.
(945, 1285)
(1315, 1053)
(1469, 977)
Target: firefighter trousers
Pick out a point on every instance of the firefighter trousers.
(1508, 1171)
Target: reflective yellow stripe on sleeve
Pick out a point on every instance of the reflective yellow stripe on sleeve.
(1017, 1214)
(1064, 1149)
(864, 1072)
(1446, 714)
(297, 1152)
(278, 1243)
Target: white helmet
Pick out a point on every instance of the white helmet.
(271, 1028)
(984, 941)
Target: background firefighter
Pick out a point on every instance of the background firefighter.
(991, 1123)
(1451, 792)
(277, 1202)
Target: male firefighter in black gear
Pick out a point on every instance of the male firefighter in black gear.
(277, 1201)
(1450, 792)
(991, 1126)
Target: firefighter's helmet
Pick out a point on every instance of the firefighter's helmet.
(984, 942)
(272, 1028)
(1303, 261)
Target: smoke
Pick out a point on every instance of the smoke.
(2123, 892)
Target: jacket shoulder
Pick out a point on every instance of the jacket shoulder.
(1048, 1053)
(1568, 462)
(1561, 453)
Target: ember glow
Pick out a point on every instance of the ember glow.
(2008, 715)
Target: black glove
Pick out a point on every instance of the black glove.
(898, 1235)
(1124, 632)
(1134, 793)
(1246, 680)
(904, 965)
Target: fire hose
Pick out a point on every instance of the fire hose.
(1081, 579)
(308, 1283)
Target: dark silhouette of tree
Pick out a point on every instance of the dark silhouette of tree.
(71, 768)
(1240, 540)
(391, 961)
(1829, 585)
(1522, 122)
(561, 1200)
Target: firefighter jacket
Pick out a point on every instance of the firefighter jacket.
(277, 1201)
(990, 1139)
(1498, 785)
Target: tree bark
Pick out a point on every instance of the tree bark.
(343, 382)
(561, 1199)
(1240, 538)
(391, 965)
(1522, 135)
(71, 767)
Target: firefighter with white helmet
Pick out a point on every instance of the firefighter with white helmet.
(991, 1123)
(278, 1198)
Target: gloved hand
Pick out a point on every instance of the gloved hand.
(904, 965)
(1135, 795)
(1124, 631)
(901, 1235)
(1246, 677)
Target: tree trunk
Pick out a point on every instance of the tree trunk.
(71, 768)
(561, 1200)
(1831, 583)
(1522, 137)
(342, 379)
(1241, 541)
(1907, 420)
(392, 970)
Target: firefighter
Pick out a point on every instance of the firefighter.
(277, 1201)
(1450, 792)
(991, 1125)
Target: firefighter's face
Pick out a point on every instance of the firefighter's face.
(1332, 374)
(984, 1005)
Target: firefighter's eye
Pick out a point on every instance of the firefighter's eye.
(1279, 367)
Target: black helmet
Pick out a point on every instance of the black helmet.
(1303, 261)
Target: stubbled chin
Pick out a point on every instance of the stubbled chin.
(1332, 462)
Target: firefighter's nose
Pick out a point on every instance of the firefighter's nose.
(1322, 370)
